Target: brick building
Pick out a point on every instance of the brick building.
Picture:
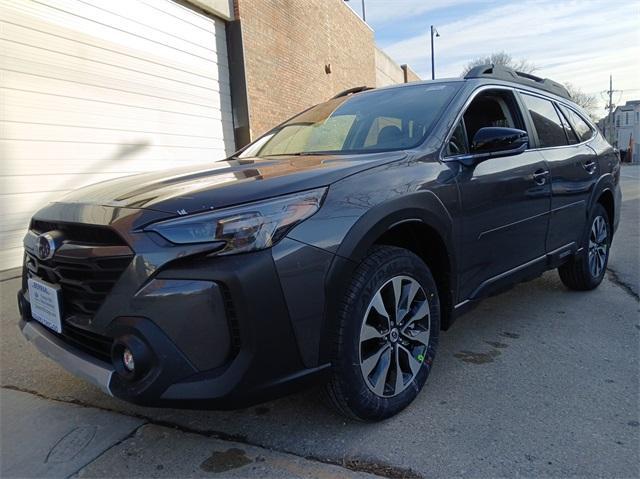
(91, 90)
(299, 53)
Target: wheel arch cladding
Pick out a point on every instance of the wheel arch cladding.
(607, 201)
(422, 206)
(606, 183)
(420, 215)
(424, 241)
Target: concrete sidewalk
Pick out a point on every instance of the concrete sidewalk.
(624, 263)
(47, 438)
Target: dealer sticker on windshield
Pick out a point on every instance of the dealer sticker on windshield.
(45, 304)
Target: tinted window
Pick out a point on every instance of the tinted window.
(572, 137)
(581, 127)
(492, 108)
(378, 120)
(546, 121)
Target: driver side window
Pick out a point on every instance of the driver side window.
(490, 108)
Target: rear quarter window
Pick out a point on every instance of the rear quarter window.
(580, 126)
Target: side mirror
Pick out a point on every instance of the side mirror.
(498, 140)
(494, 142)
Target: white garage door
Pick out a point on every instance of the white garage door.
(94, 89)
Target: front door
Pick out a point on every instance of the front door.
(505, 201)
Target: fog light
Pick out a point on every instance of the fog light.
(127, 359)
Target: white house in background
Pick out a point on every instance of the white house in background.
(626, 120)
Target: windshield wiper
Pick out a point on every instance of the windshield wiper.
(305, 153)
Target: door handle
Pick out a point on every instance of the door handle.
(540, 177)
(590, 166)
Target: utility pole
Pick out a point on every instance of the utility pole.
(610, 107)
(433, 64)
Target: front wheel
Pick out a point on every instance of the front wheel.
(586, 271)
(386, 337)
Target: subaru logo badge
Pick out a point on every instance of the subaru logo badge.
(46, 247)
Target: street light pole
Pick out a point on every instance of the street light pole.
(433, 64)
(364, 15)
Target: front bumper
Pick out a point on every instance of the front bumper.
(73, 360)
(212, 332)
(176, 321)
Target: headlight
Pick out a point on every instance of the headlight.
(247, 227)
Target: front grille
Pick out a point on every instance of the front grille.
(87, 265)
(79, 233)
(91, 343)
(85, 282)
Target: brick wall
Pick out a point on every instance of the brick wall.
(288, 43)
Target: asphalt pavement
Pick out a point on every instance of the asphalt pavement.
(539, 381)
(625, 255)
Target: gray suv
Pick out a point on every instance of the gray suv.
(332, 249)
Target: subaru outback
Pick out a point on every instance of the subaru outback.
(332, 249)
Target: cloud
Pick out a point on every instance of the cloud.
(578, 42)
(382, 12)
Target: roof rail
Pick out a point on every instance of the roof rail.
(349, 91)
(501, 72)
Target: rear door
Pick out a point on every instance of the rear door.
(572, 165)
(505, 201)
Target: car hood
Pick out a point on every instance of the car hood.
(224, 183)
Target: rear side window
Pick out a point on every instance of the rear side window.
(571, 135)
(581, 127)
(546, 121)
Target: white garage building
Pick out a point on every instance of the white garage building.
(93, 89)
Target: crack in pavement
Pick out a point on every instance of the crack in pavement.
(615, 279)
(355, 464)
(114, 445)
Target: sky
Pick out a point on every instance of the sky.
(577, 41)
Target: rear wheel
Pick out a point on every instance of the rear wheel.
(586, 271)
(387, 335)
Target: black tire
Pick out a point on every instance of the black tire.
(577, 274)
(347, 390)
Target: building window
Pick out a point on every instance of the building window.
(626, 118)
(617, 121)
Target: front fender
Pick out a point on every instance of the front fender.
(422, 206)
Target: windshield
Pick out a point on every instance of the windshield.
(378, 120)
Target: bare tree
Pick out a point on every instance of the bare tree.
(501, 58)
(586, 101)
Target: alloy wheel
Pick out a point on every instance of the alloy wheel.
(598, 246)
(394, 337)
